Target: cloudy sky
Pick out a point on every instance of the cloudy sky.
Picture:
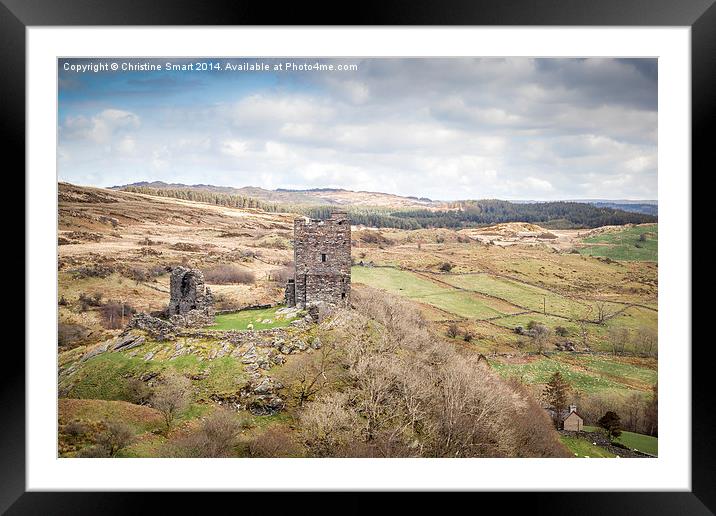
(445, 128)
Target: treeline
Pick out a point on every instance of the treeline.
(557, 215)
(217, 198)
(460, 214)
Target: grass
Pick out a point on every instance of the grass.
(241, 320)
(625, 245)
(520, 294)
(105, 377)
(640, 442)
(637, 375)
(582, 448)
(540, 370)
(407, 284)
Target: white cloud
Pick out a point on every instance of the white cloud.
(440, 128)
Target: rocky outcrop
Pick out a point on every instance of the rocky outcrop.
(126, 341)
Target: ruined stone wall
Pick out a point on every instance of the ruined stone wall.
(322, 256)
(191, 302)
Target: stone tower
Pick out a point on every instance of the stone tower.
(322, 257)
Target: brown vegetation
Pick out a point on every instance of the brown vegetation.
(402, 393)
(225, 274)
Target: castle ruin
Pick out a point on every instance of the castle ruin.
(190, 301)
(322, 257)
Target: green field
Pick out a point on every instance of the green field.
(640, 442)
(408, 284)
(540, 370)
(610, 367)
(583, 448)
(625, 244)
(256, 317)
(520, 294)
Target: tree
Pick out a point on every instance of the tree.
(619, 338)
(584, 333)
(171, 396)
(556, 393)
(611, 422)
(651, 412)
(540, 334)
(603, 312)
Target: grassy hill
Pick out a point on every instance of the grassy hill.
(116, 249)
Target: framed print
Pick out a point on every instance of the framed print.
(419, 252)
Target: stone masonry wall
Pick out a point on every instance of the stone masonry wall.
(322, 256)
(190, 300)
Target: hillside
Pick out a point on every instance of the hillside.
(115, 252)
(386, 210)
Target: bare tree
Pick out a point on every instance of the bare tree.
(171, 396)
(540, 335)
(619, 338)
(603, 312)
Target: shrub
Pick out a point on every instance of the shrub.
(282, 274)
(452, 330)
(228, 274)
(217, 437)
(117, 435)
(468, 336)
(71, 335)
(138, 392)
(93, 452)
(446, 266)
(115, 314)
(561, 331)
(76, 428)
(275, 441)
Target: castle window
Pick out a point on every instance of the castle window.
(323, 257)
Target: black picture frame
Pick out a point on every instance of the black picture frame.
(17, 15)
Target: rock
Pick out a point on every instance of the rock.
(97, 350)
(127, 341)
(301, 346)
(316, 343)
(278, 359)
(149, 356)
(225, 349)
(250, 356)
(265, 405)
(267, 385)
